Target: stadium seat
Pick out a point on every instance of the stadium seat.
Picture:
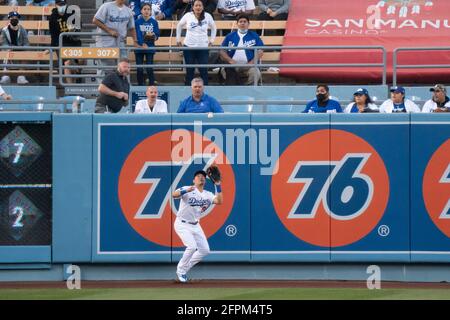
(29, 106)
(70, 106)
(280, 107)
(240, 108)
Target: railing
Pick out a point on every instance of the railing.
(396, 66)
(257, 64)
(9, 52)
(42, 105)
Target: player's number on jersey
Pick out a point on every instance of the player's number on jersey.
(339, 186)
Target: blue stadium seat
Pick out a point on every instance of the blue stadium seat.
(240, 108)
(29, 106)
(88, 106)
(280, 107)
(71, 98)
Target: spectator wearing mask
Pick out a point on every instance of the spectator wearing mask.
(242, 38)
(323, 103)
(59, 23)
(14, 35)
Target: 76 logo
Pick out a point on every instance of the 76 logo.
(340, 186)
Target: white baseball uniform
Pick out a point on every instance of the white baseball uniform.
(192, 206)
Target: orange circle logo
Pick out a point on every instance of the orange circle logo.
(330, 197)
(148, 177)
(436, 188)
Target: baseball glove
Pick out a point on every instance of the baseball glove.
(149, 36)
(213, 173)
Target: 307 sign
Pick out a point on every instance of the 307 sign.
(89, 53)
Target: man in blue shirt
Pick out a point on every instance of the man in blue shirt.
(243, 38)
(199, 102)
(323, 103)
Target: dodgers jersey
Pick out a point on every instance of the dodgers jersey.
(193, 204)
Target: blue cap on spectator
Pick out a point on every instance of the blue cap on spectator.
(398, 90)
(361, 91)
(13, 14)
(60, 2)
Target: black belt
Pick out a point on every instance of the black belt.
(193, 223)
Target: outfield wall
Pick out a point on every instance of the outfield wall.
(349, 188)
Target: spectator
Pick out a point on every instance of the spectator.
(161, 9)
(114, 89)
(398, 102)
(199, 102)
(152, 104)
(231, 9)
(323, 103)
(115, 20)
(439, 102)
(14, 35)
(242, 38)
(197, 23)
(362, 103)
(57, 25)
(181, 7)
(273, 9)
(4, 95)
(147, 33)
(40, 3)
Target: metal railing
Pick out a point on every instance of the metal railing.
(42, 105)
(47, 66)
(257, 64)
(396, 66)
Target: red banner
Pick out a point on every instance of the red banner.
(391, 24)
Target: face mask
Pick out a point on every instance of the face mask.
(14, 22)
(321, 96)
(242, 31)
(62, 9)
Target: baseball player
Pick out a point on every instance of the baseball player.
(194, 202)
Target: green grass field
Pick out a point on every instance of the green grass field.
(225, 294)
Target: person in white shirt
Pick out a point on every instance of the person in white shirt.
(230, 9)
(197, 24)
(439, 102)
(362, 103)
(152, 104)
(194, 202)
(398, 102)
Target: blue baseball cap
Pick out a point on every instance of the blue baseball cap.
(361, 91)
(13, 14)
(398, 90)
(200, 172)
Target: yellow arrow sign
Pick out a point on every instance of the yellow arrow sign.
(89, 53)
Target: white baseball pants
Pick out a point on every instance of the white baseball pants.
(196, 244)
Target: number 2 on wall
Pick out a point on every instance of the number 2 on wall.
(19, 212)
